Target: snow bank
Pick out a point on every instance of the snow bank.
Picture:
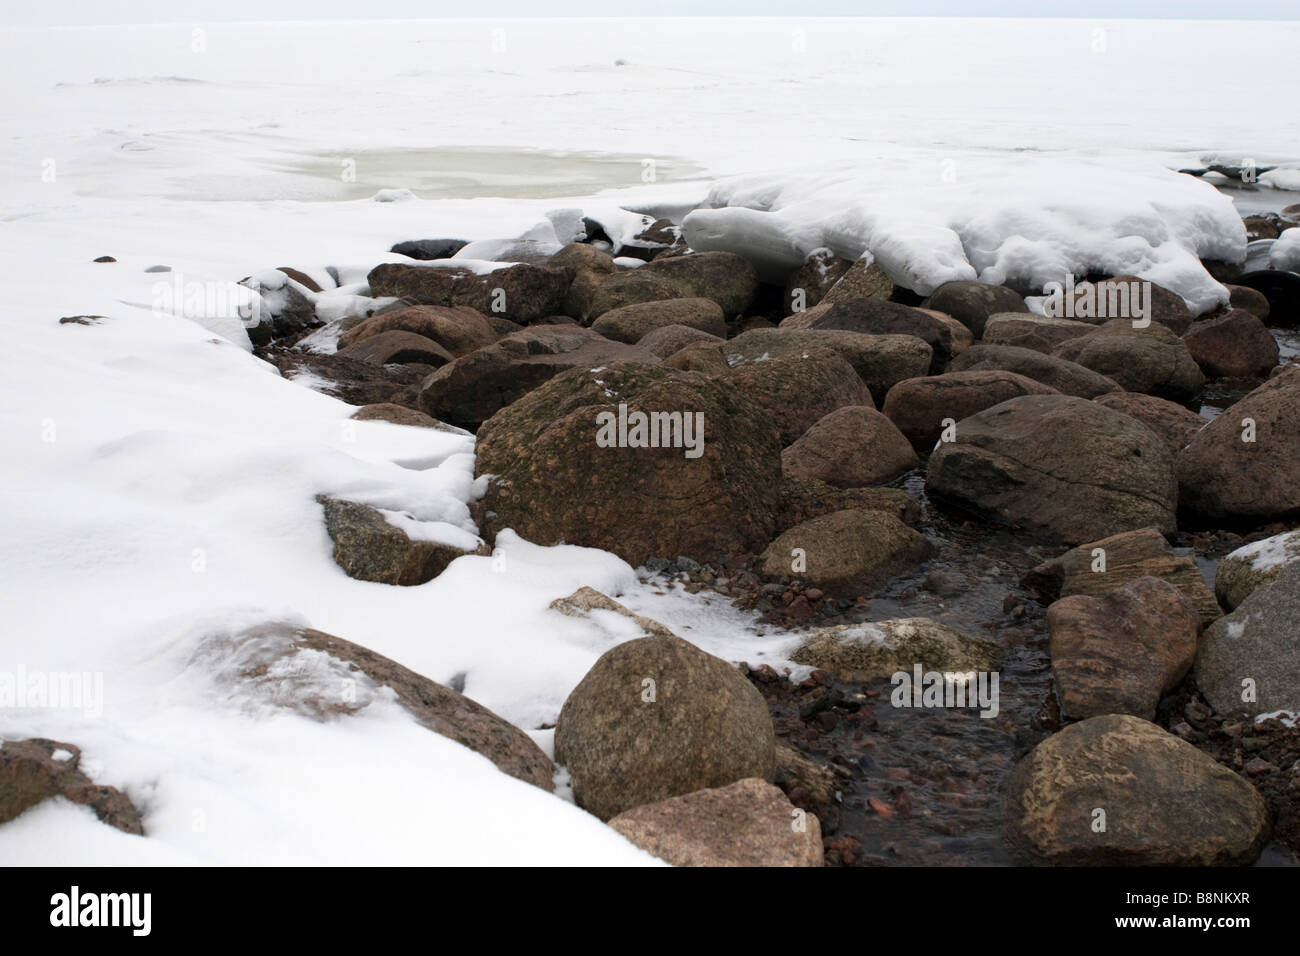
(1285, 251)
(1017, 220)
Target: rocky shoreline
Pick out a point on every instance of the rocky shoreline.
(948, 484)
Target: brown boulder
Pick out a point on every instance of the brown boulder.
(459, 330)
(919, 406)
(851, 447)
(799, 389)
(1233, 345)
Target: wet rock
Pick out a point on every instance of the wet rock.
(853, 446)
(1249, 661)
(553, 483)
(1099, 567)
(398, 348)
(971, 303)
(427, 249)
(1234, 345)
(474, 387)
(862, 653)
(919, 406)
(523, 293)
(1165, 802)
(845, 552)
(1058, 464)
(1025, 330)
(370, 548)
(37, 769)
(1251, 567)
(808, 785)
(1122, 652)
(881, 361)
(1151, 360)
(656, 717)
(324, 677)
(799, 389)
(1174, 423)
(458, 330)
(1069, 378)
(1246, 463)
(631, 323)
(748, 823)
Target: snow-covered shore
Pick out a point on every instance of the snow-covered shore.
(159, 482)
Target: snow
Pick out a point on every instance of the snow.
(1285, 251)
(159, 481)
(1022, 220)
(1269, 553)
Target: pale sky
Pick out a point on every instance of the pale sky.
(72, 12)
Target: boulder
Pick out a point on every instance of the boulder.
(1174, 423)
(656, 717)
(971, 303)
(1122, 652)
(1042, 333)
(1254, 565)
(747, 823)
(724, 277)
(324, 677)
(846, 553)
(882, 317)
(522, 293)
(919, 406)
(881, 361)
(666, 340)
(1069, 378)
(1099, 567)
(1162, 802)
(590, 267)
(1058, 464)
(799, 389)
(863, 653)
(1151, 360)
(851, 447)
(1245, 465)
(803, 499)
(1233, 345)
(429, 248)
(37, 769)
(553, 482)
(399, 415)
(1249, 660)
(810, 282)
(1126, 297)
(1251, 300)
(631, 323)
(628, 288)
(398, 348)
(368, 547)
(862, 280)
(459, 330)
(473, 388)
(702, 356)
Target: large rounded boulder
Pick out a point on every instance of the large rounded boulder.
(1119, 791)
(799, 389)
(920, 406)
(971, 303)
(1151, 360)
(1233, 345)
(641, 460)
(1058, 464)
(1068, 378)
(1245, 465)
(657, 717)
